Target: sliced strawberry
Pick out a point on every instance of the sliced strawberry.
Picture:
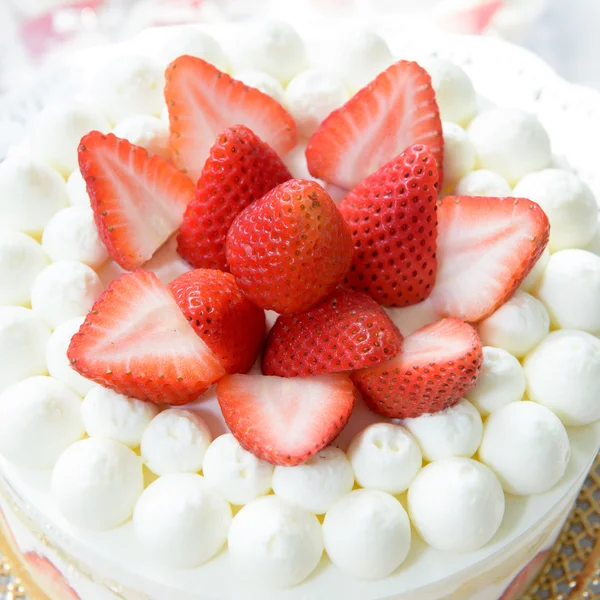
(524, 580)
(393, 220)
(240, 169)
(436, 366)
(344, 332)
(48, 578)
(138, 200)
(396, 110)
(291, 248)
(230, 325)
(203, 101)
(136, 341)
(486, 247)
(285, 421)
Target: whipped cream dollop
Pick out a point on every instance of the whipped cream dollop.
(316, 484)
(526, 446)
(96, 483)
(274, 543)
(563, 374)
(166, 263)
(454, 431)
(239, 475)
(267, 84)
(367, 534)
(146, 131)
(77, 191)
(175, 441)
(71, 234)
(30, 193)
(111, 415)
(410, 318)
(482, 182)
(594, 245)
(510, 141)
(531, 282)
(456, 504)
(39, 418)
(64, 290)
(568, 202)
(501, 381)
(23, 340)
(181, 521)
(21, 261)
(385, 457)
(570, 290)
(459, 153)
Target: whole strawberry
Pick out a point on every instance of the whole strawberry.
(346, 331)
(291, 248)
(436, 366)
(240, 169)
(392, 217)
(230, 325)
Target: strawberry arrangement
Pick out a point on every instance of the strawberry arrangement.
(260, 240)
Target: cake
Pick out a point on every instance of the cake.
(288, 336)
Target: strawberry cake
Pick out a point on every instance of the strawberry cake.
(286, 315)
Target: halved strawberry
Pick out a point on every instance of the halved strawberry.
(524, 580)
(48, 578)
(344, 332)
(230, 325)
(393, 220)
(486, 247)
(136, 341)
(138, 200)
(436, 366)
(396, 110)
(285, 421)
(203, 101)
(240, 169)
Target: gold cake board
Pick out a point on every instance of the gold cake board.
(572, 571)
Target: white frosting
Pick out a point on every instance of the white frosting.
(57, 360)
(501, 381)
(148, 132)
(71, 234)
(570, 290)
(23, 339)
(96, 483)
(594, 245)
(181, 521)
(454, 90)
(239, 475)
(385, 457)
(455, 431)
(410, 318)
(530, 283)
(295, 161)
(166, 263)
(367, 534)
(115, 416)
(274, 48)
(517, 326)
(274, 543)
(39, 418)
(64, 290)
(527, 447)
(109, 271)
(57, 130)
(30, 193)
(175, 442)
(510, 141)
(568, 202)
(459, 153)
(563, 373)
(318, 483)
(456, 504)
(21, 261)
(76, 190)
(311, 96)
(482, 182)
(265, 83)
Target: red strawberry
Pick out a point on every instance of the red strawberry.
(524, 580)
(285, 421)
(486, 247)
(344, 332)
(392, 217)
(240, 169)
(395, 111)
(48, 578)
(437, 365)
(138, 200)
(291, 248)
(203, 101)
(230, 325)
(136, 341)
